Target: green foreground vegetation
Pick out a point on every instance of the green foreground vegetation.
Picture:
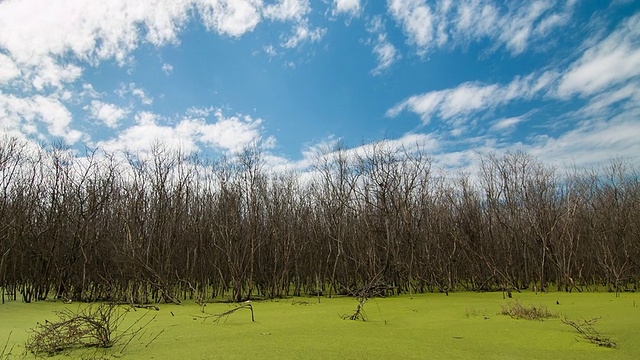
(462, 325)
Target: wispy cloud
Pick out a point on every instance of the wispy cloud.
(452, 23)
(386, 54)
(303, 33)
(506, 125)
(417, 21)
(167, 68)
(132, 89)
(470, 97)
(591, 143)
(611, 61)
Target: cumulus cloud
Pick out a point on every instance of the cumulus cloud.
(201, 128)
(109, 114)
(230, 17)
(88, 31)
(28, 114)
(287, 10)
(8, 69)
(350, 7)
(47, 46)
(143, 136)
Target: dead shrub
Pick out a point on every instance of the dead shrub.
(93, 326)
(517, 310)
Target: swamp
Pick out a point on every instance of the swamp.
(372, 255)
(463, 325)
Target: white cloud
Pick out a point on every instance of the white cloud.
(386, 54)
(230, 17)
(49, 73)
(231, 133)
(516, 29)
(287, 10)
(132, 89)
(514, 26)
(27, 113)
(611, 61)
(89, 31)
(270, 50)
(470, 97)
(350, 7)
(507, 124)
(303, 33)
(600, 104)
(409, 142)
(167, 68)
(190, 134)
(109, 114)
(416, 19)
(143, 136)
(591, 143)
(8, 69)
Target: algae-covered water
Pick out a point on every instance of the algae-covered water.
(462, 325)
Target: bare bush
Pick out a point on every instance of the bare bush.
(96, 326)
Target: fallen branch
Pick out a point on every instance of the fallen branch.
(4, 354)
(589, 333)
(225, 315)
(359, 313)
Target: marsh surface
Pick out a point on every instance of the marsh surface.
(463, 325)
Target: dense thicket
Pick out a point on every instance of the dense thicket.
(166, 226)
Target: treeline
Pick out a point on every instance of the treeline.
(166, 226)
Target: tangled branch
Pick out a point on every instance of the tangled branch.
(92, 326)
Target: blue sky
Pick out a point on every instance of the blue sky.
(557, 79)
